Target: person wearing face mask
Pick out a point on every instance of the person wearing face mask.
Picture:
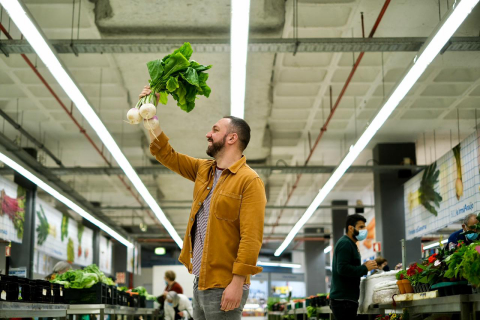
(177, 307)
(469, 223)
(347, 269)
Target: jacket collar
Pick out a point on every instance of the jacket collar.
(236, 166)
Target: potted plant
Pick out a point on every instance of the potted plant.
(470, 265)
(401, 275)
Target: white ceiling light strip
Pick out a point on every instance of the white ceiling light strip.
(69, 203)
(426, 55)
(238, 56)
(35, 37)
(327, 249)
(434, 245)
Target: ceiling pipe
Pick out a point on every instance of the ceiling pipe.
(330, 116)
(79, 126)
(39, 144)
(187, 207)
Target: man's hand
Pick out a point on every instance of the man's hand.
(371, 265)
(146, 91)
(232, 296)
(181, 314)
(157, 131)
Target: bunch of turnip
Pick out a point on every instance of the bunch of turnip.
(176, 75)
(145, 110)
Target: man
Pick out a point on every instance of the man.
(225, 228)
(469, 223)
(347, 270)
(177, 306)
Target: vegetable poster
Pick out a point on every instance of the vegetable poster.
(12, 211)
(60, 237)
(445, 192)
(105, 255)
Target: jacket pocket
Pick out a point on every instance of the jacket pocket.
(227, 206)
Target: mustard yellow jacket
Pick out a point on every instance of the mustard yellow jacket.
(237, 210)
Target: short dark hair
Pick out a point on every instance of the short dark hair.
(170, 275)
(380, 261)
(353, 219)
(241, 128)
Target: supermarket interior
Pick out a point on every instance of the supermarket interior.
(329, 168)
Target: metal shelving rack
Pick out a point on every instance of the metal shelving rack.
(65, 311)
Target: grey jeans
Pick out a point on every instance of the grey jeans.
(206, 305)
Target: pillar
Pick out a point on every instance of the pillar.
(314, 265)
(389, 202)
(22, 254)
(339, 218)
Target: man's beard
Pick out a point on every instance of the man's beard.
(216, 147)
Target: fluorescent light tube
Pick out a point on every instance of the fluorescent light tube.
(278, 264)
(429, 51)
(433, 245)
(327, 249)
(238, 55)
(69, 203)
(34, 36)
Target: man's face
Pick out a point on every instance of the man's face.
(472, 223)
(216, 137)
(359, 226)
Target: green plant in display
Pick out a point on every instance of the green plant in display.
(93, 268)
(459, 181)
(143, 293)
(427, 193)
(44, 228)
(470, 264)
(311, 311)
(454, 261)
(64, 228)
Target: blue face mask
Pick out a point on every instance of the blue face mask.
(166, 283)
(471, 236)
(362, 235)
(170, 304)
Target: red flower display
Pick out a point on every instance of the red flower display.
(432, 258)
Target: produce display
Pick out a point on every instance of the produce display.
(79, 279)
(174, 75)
(449, 270)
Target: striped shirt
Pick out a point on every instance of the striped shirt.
(201, 229)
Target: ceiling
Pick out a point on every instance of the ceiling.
(287, 96)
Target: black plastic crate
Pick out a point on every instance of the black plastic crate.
(142, 302)
(41, 291)
(112, 295)
(122, 298)
(9, 290)
(57, 293)
(25, 290)
(134, 300)
(97, 294)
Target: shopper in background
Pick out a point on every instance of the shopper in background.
(59, 268)
(225, 228)
(172, 285)
(469, 223)
(347, 270)
(177, 306)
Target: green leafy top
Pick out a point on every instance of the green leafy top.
(179, 77)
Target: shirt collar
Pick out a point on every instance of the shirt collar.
(236, 166)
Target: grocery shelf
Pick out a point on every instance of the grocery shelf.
(27, 310)
(45, 310)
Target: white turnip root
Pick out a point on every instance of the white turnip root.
(151, 124)
(148, 110)
(133, 116)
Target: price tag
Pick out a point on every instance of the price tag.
(44, 292)
(3, 296)
(51, 292)
(61, 292)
